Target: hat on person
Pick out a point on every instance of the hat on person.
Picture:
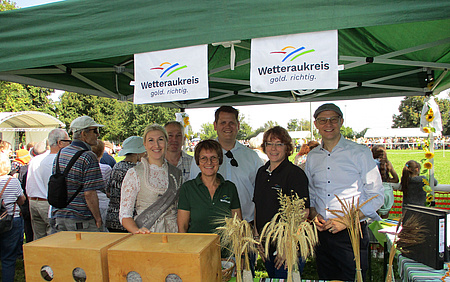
(83, 122)
(22, 156)
(132, 145)
(328, 107)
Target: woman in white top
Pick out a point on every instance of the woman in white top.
(10, 241)
(150, 189)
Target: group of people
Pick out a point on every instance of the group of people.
(157, 187)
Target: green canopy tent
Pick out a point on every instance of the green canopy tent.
(386, 48)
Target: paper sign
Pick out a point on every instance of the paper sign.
(294, 62)
(171, 75)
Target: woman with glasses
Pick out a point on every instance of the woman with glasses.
(205, 200)
(278, 175)
(151, 188)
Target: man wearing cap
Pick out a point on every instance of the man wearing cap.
(133, 149)
(174, 154)
(39, 172)
(83, 213)
(346, 169)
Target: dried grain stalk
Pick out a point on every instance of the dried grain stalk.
(236, 235)
(290, 232)
(349, 216)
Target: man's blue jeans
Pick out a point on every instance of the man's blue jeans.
(10, 244)
(282, 272)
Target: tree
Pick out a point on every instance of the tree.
(207, 131)
(270, 124)
(298, 125)
(411, 108)
(347, 132)
(6, 5)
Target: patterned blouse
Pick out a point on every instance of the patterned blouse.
(114, 189)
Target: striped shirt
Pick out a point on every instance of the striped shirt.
(184, 164)
(12, 192)
(86, 172)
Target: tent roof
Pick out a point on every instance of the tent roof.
(395, 132)
(87, 46)
(28, 121)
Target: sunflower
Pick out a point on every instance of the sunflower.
(426, 129)
(428, 165)
(429, 155)
(429, 198)
(429, 117)
(186, 121)
(425, 181)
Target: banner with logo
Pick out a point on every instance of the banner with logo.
(171, 75)
(294, 62)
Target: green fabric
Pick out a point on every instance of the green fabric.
(375, 226)
(207, 214)
(78, 45)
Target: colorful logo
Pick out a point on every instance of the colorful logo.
(295, 53)
(168, 68)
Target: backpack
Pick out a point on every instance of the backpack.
(57, 184)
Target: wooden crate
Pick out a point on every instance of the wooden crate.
(193, 257)
(62, 252)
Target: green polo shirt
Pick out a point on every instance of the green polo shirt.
(206, 213)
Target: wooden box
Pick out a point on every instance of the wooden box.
(193, 257)
(65, 251)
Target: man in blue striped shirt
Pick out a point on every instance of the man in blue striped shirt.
(82, 214)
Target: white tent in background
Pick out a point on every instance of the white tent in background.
(35, 126)
(300, 134)
(396, 132)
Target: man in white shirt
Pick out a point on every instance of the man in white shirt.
(240, 164)
(174, 154)
(346, 169)
(39, 172)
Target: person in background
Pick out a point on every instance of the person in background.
(83, 213)
(346, 169)
(133, 149)
(107, 157)
(300, 158)
(22, 159)
(103, 200)
(150, 189)
(277, 175)
(388, 176)
(412, 184)
(39, 172)
(10, 241)
(206, 200)
(175, 155)
(5, 148)
(38, 149)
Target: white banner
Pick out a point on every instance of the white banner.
(171, 75)
(294, 62)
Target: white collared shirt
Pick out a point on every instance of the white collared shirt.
(39, 172)
(242, 176)
(348, 171)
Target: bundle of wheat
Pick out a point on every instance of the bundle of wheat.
(291, 232)
(349, 216)
(237, 236)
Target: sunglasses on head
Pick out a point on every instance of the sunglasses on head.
(233, 161)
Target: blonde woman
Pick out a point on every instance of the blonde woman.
(151, 188)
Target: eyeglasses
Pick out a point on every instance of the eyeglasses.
(276, 145)
(95, 130)
(212, 159)
(333, 120)
(233, 161)
(63, 140)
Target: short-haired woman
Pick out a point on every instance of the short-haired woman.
(277, 175)
(207, 199)
(151, 188)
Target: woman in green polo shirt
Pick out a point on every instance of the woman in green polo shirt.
(208, 198)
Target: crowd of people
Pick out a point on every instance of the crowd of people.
(157, 187)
